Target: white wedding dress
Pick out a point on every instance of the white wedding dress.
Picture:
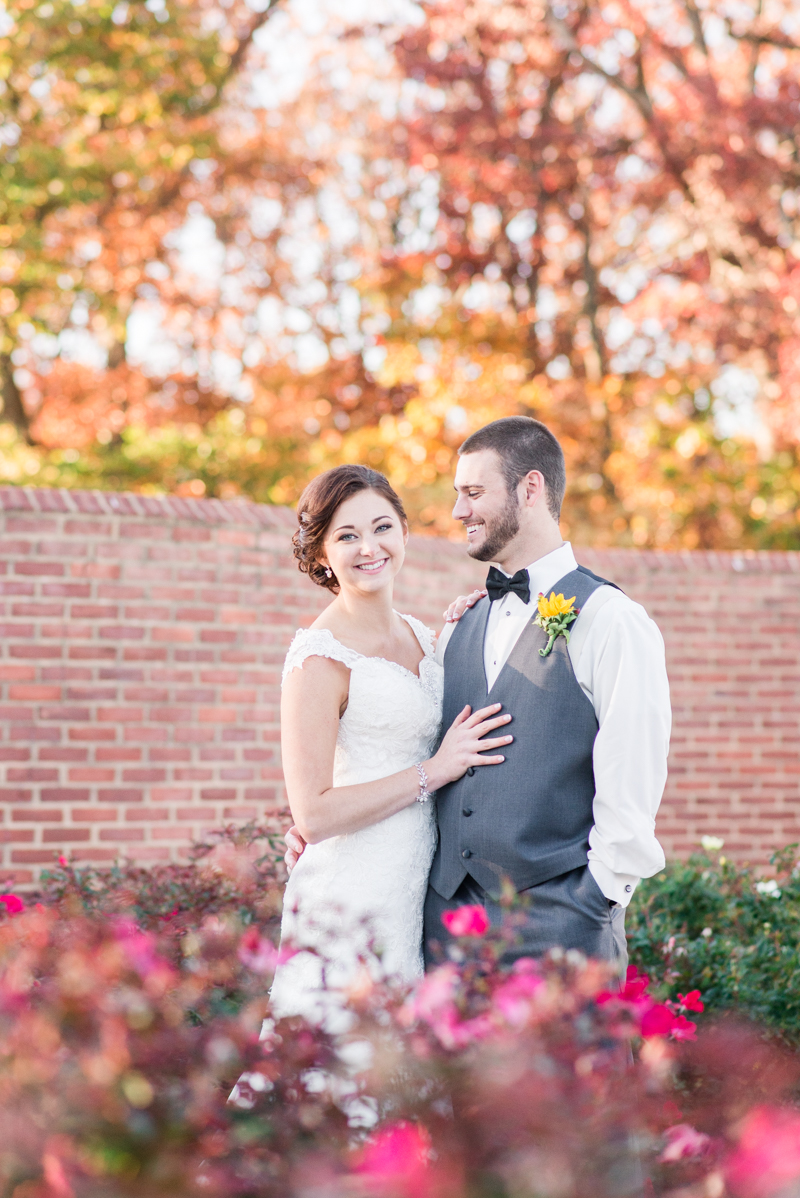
(356, 901)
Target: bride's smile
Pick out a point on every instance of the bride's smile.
(372, 567)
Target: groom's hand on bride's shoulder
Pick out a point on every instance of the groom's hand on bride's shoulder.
(295, 846)
(457, 608)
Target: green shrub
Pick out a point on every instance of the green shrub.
(710, 925)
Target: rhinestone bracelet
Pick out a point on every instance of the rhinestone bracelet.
(424, 794)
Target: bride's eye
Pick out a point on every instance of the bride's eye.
(384, 527)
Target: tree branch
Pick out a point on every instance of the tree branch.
(761, 39)
(696, 23)
(237, 57)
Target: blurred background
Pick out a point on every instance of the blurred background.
(241, 242)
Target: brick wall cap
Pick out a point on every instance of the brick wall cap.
(156, 507)
(242, 512)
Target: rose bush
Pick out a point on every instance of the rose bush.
(727, 931)
(128, 1017)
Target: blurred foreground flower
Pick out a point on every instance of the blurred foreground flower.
(683, 1142)
(397, 1161)
(120, 1045)
(467, 921)
(766, 1162)
(13, 903)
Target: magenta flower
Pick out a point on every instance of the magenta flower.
(467, 921)
(13, 902)
(397, 1160)
(635, 984)
(657, 1020)
(683, 1028)
(766, 1161)
(691, 1001)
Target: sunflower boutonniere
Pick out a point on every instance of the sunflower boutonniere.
(555, 616)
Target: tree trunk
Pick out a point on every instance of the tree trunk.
(13, 409)
(116, 355)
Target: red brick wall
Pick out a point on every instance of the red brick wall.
(142, 640)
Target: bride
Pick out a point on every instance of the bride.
(360, 718)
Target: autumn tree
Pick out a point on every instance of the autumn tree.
(106, 109)
(616, 191)
(587, 213)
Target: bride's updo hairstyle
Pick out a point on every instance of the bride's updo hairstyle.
(320, 502)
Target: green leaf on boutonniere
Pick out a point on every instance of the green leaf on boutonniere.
(555, 616)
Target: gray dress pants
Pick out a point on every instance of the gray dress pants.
(569, 911)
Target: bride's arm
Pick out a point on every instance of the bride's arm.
(311, 702)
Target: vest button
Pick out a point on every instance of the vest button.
(467, 811)
(471, 771)
(467, 853)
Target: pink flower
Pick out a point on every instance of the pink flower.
(635, 985)
(513, 998)
(257, 953)
(55, 1176)
(260, 954)
(433, 1002)
(139, 947)
(691, 1001)
(657, 1020)
(766, 1161)
(62, 861)
(683, 1141)
(13, 902)
(467, 921)
(397, 1160)
(683, 1028)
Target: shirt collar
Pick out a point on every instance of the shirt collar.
(548, 570)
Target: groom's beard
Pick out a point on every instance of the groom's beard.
(499, 532)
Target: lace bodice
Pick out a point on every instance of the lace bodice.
(392, 717)
(368, 885)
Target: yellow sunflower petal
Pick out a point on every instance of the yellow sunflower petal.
(556, 605)
(544, 606)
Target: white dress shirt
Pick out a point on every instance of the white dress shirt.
(617, 654)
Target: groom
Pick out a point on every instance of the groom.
(569, 816)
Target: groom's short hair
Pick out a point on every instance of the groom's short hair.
(524, 444)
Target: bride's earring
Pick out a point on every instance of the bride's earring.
(328, 572)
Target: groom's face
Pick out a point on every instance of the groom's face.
(484, 506)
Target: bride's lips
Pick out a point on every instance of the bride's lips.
(372, 567)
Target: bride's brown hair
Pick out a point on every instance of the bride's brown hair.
(319, 503)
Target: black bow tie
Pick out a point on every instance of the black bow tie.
(499, 584)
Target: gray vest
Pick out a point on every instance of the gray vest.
(529, 818)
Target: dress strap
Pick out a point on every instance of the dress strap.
(425, 635)
(316, 642)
